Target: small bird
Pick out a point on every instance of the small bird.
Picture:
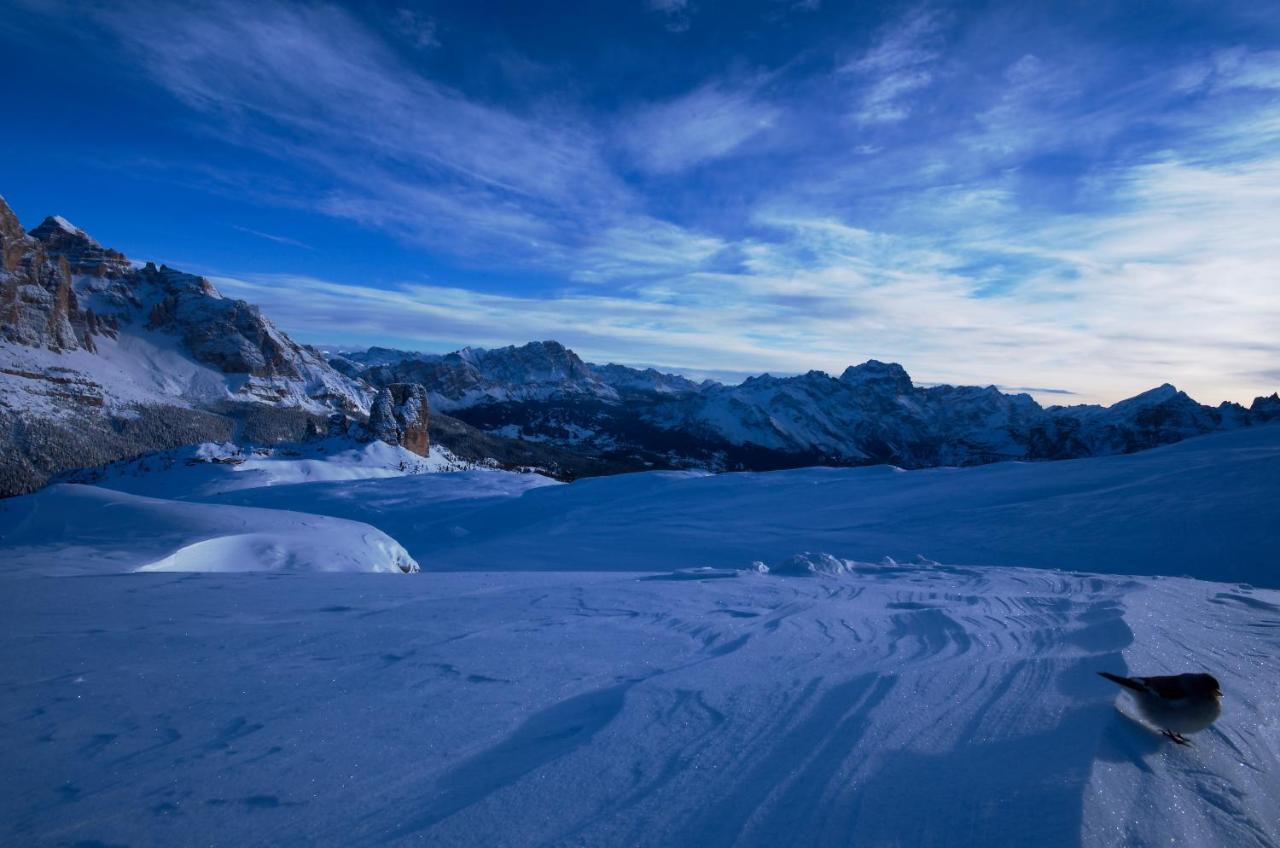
(1177, 704)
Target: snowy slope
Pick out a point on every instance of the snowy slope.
(1206, 507)
(212, 468)
(926, 705)
(139, 367)
(69, 530)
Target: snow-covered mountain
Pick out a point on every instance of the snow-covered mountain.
(538, 371)
(102, 358)
(872, 413)
(158, 334)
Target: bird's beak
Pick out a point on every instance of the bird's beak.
(1217, 693)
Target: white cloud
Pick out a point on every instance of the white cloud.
(643, 247)
(1232, 68)
(897, 65)
(706, 124)
(285, 240)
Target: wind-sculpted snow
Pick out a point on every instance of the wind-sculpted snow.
(70, 530)
(887, 705)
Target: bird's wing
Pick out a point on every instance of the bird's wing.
(1169, 688)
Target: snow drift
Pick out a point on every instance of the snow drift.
(78, 530)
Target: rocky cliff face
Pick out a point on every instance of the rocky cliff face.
(38, 303)
(537, 371)
(399, 416)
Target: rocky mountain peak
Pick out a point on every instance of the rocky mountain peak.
(57, 223)
(882, 377)
(1267, 407)
(84, 255)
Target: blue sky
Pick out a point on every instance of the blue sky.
(1079, 196)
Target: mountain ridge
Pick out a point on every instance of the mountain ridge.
(873, 412)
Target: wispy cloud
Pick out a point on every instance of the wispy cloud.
(1147, 296)
(900, 63)
(644, 248)
(708, 123)
(269, 237)
(313, 85)
(1171, 275)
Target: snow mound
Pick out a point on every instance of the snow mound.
(68, 530)
(270, 551)
(808, 564)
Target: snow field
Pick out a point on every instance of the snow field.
(608, 663)
(887, 705)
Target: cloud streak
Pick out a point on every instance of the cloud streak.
(704, 125)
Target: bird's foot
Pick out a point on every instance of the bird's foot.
(1176, 737)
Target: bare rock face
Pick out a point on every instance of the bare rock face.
(38, 306)
(399, 417)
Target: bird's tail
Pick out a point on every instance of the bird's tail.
(1123, 681)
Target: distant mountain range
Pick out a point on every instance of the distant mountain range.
(102, 358)
(872, 413)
